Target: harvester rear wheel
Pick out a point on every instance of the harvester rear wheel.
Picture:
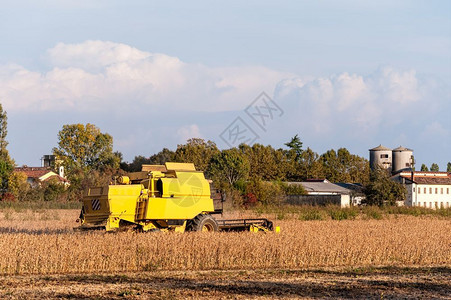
(203, 223)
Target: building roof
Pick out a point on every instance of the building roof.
(40, 173)
(322, 186)
(432, 180)
(356, 187)
(420, 177)
(400, 148)
(380, 148)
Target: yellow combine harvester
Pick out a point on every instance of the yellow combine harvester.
(173, 197)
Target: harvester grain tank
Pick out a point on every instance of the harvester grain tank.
(170, 197)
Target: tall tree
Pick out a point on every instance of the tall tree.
(6, 163)
(311, 167)
(136, 164)
(434, 167)
(331, 166)
(296, 146)
(229, 166)
(162, 157)
(85, 147)
(197, 151)
(382, 190)
(265, 162)
(3, 133)
(424, 168)
(448, 167)
(342, 166)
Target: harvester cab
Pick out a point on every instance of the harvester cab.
(173, 197)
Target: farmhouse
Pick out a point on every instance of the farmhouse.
(37, 175)
(426, 189)
(321, 192)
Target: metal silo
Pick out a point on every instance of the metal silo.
(402, 159)
(381, 156)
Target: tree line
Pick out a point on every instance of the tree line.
(249, 173)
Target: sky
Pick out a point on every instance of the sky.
(152, 74)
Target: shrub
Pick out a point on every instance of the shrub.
(250, 200)
(293, 189)
(373, 212)
(8, 197)
(311, 215)
(338, 214)
(54, 191)
(267, 193)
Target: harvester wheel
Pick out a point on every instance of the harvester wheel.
(202, 223)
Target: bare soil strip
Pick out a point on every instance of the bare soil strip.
(365, 283)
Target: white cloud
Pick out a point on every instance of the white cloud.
(98, 75)
(187, 132)
(396, 86)
(121, 84)
(92, 55)
(349, 100)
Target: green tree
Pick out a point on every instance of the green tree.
(159, 158)
(448, 167)
(265, 162)
(266, 192)
(342, 166)
(197, 151)
(382, 190)
(162, 157)
(18, 185)
(294, 156)
(85, 147)
(227, 167)
(311, 167)
(6, 163)
(424, 168)
(434, 167)
(295, 145)
(136, 164)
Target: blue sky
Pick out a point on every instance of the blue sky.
(351, 74)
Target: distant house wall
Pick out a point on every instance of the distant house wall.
(429, 195)
(320, 199)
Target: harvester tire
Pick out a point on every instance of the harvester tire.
(202, 223)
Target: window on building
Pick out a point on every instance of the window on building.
(419, 203)
(430, 204)
(436, 190)
(425, 190)
(414, 190)
(447, 190)
(441, 190)
(407, 165)
(430, 191)
(384, 155)
(419, 190)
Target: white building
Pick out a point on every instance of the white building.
(321, 192)
(426, 189)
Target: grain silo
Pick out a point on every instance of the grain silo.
(402, 159)
(381, 156)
